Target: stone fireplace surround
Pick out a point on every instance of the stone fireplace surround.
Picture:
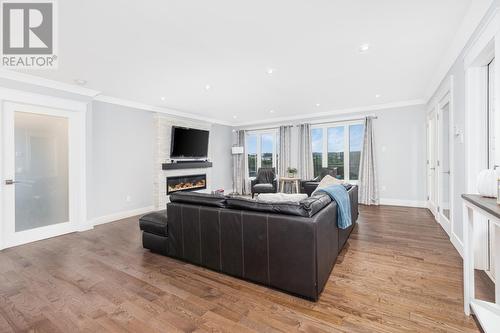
(163, 129)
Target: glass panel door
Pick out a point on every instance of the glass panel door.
(41, 170)
(42, 160)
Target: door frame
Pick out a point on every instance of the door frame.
(432, 203)
(77, 168)
(446, 223)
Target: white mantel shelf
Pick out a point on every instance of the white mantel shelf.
(487, 313)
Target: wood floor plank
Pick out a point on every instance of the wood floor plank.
(398, 273)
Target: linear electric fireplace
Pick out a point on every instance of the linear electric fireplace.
(186, 183)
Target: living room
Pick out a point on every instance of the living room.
(262, 166)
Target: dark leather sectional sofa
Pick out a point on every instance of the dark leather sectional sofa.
(287, 246)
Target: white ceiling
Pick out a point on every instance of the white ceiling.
(143, 50)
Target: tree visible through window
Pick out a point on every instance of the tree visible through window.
(317, 150)
(252, 155)
(339, 147)
(261, 151)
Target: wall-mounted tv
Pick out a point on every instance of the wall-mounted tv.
(188, 143)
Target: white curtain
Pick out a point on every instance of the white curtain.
(240, 167)
(285, 149)
(368, 181)
(306, 170)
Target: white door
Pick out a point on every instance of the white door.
(40, 186)
(431, 163)
(443, 165)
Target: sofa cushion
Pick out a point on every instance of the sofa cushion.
(263, 188)
(305, 208)
(155, 223)
(203, 199)
(315, 203)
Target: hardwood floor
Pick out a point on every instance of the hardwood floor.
(399, 273)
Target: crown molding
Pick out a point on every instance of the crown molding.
(47, 83)
(152, 108)
(334, 113)
(478, 11)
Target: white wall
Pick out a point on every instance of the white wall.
(121, 177)
(401, 155)
(124, 165)
(457, 70)
(222, 171)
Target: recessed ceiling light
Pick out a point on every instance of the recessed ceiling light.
(270, 71)
(378, 96)
(208, 87)
(364, 47)
(318, 105)
(80, 82)
(271, 111)
(162, 98)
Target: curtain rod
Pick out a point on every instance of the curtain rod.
(344, 120)
(322, 123)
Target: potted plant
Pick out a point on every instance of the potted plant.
(291, 172)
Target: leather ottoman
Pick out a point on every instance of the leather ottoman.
(154, 228)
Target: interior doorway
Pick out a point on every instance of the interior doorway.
(41, 172)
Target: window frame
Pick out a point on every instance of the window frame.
(347, 144)
(259, 134)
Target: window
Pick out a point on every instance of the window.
(252, 154)
(267, 147)
(338, 146)
(261, 150)
(356, 133)
(317, 149)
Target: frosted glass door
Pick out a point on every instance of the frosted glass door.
(41, 170)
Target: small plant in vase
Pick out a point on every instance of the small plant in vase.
(291, 172)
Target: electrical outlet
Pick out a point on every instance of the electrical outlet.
(383, 188)
(128, 198)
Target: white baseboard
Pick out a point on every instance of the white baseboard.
(457, 243)
(119, 215)
(403, 203)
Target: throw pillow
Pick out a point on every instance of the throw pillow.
(281, 197)
(328, 181)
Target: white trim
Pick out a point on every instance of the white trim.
(97, 96)
(152, 108)
(309, 116)
(47, 83)
(457, 243)
(119, 216)
(403, 203)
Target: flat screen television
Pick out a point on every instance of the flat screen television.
(188, 143)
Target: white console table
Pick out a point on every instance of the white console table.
(487, 313)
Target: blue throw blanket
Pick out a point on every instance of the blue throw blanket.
(341, 196)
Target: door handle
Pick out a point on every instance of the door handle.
(433, 168)
(10, 182)
(447, 172)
